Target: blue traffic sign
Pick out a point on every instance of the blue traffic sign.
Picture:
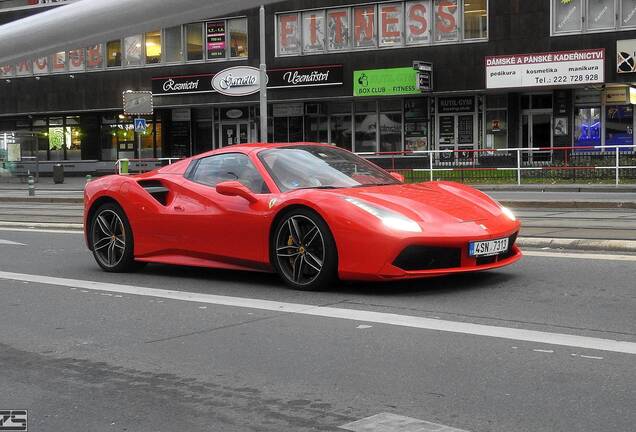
(140, 125)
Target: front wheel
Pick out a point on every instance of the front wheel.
(303, 251)
(112, 240)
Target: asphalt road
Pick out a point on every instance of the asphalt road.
(202, 351)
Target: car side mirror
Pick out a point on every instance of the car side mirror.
(234, 188)
(396, 175)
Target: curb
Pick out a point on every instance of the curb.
(43, 199)
(570, 204)
(40, 225)
(578, 244)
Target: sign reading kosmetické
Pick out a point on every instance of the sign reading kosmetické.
(546, 69)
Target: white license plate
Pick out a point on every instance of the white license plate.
(488, 248)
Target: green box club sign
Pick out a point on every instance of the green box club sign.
(385, 82)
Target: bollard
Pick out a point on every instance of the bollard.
(31, 186)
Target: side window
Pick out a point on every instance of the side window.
(229, 167)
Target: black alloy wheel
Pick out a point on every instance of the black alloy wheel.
(304, 252)
(111, 239)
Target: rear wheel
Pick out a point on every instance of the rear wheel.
(303, 251)
(112, 240)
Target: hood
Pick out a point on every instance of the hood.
(430, 202)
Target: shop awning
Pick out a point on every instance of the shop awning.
(88, 22)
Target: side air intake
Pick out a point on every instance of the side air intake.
(157, 190)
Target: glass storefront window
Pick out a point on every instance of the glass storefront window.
(628, 13)
(172, 44)
(476, 19)
(619, 125)
(288, 34)
(41, 66)
(496, 129)
(314, 31)
(113, 52)
(95, 57)
(76, 61)
(391, 24)
(567, 16)
(446, 20)
(366, 128)
(391, 132)
(418, 18)
(237, 29)
(341, 131)
(153, 47)
(194, 41)
(587, 127)
(601, 14)
(338, 29)
(57, 62)
(216, 39)
(132, 51)
(364, 27)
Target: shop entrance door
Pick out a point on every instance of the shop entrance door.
(536, 135)
(235, 133)
(456, 133)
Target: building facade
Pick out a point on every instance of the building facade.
(506, 74)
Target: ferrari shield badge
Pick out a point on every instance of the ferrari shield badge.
(272, 202)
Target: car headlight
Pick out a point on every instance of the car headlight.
(389, 218)
(509, 214)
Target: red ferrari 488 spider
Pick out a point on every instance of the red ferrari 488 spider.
(310, 212)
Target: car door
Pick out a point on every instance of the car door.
(223, 228)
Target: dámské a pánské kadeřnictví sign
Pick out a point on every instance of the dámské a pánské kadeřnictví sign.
(546, 69)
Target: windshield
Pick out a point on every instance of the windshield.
(303, 167)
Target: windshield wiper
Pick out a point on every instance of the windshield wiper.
(374, 184)
(318, 187)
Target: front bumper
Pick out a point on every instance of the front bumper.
(455, 261)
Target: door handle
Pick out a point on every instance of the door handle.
(178, 208)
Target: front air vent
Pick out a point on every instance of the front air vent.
(157, 190)
(415, 258)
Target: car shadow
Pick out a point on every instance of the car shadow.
(430, 286)
(464, 282)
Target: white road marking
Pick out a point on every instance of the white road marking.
(387, 422)
(591, 357)
(586, 256)
(544, 338)
(543, 351)
(10, 243)
(364, 327)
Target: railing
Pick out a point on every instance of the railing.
(126, 166)
(615, 164)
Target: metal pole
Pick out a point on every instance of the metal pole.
(430, 164)
(519, 167)
(263, 76)
(618, 162)
(139, 150)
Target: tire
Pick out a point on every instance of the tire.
(112, 240)
(303, 251)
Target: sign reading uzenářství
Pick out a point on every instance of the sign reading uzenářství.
(546, 69)
(385, 82)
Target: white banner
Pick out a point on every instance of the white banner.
(546, 69)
